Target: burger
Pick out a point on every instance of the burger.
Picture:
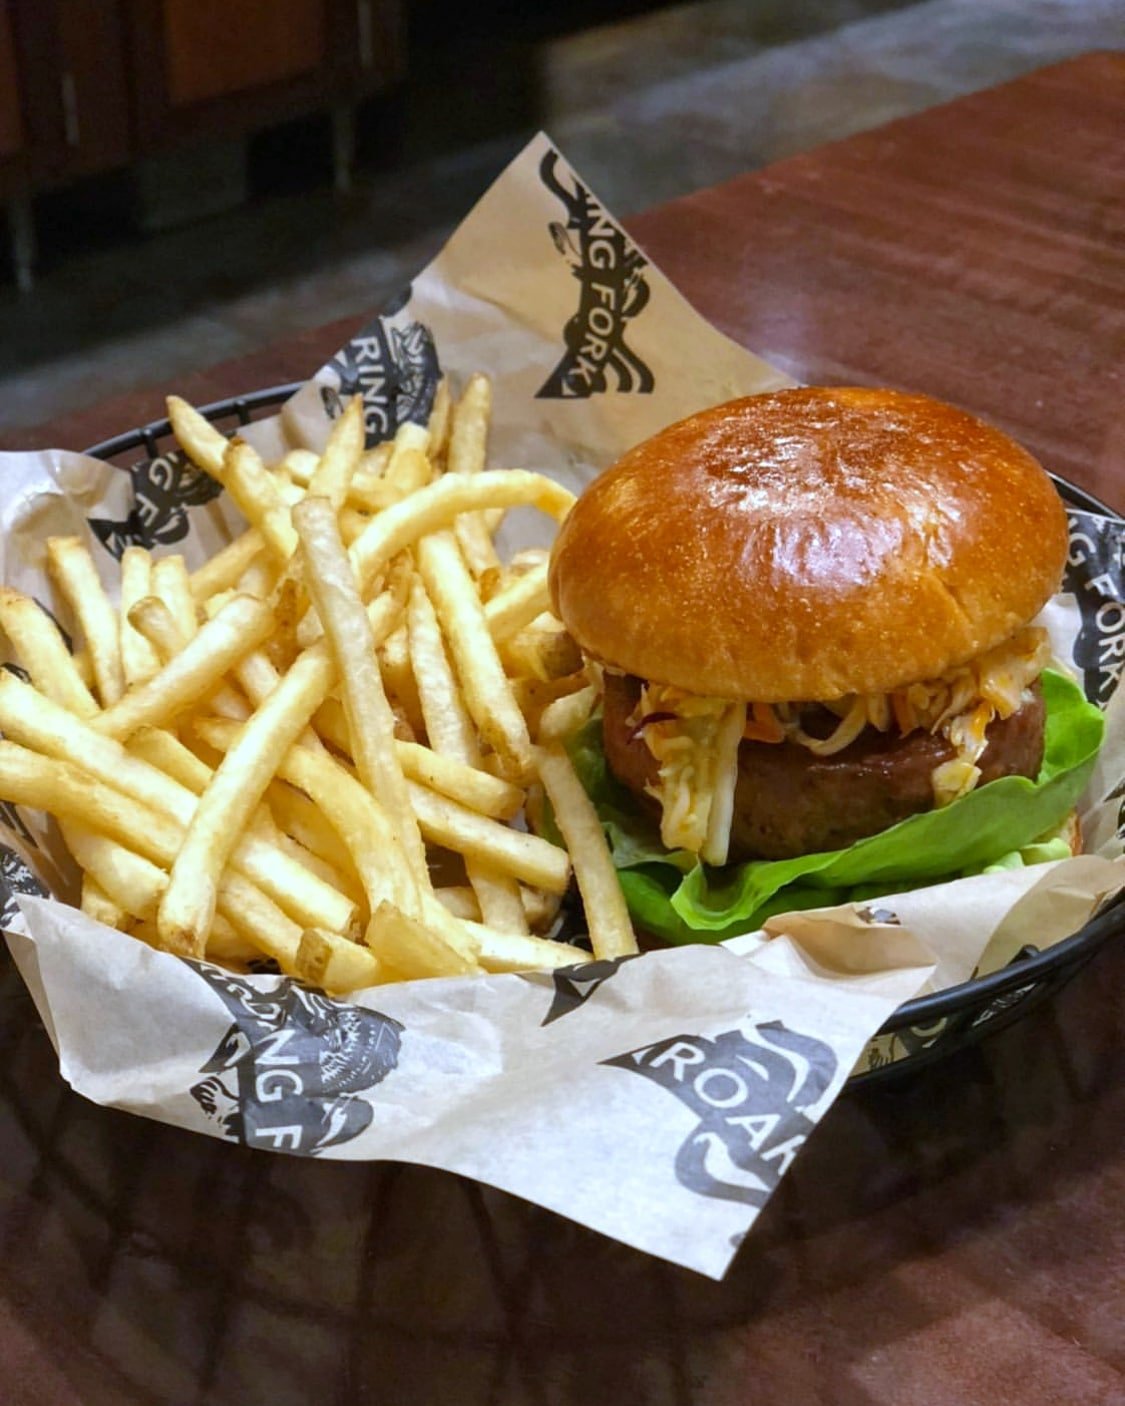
(810, 617)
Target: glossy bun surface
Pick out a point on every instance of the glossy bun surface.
(809, 543)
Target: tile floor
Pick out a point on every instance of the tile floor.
(647, 109)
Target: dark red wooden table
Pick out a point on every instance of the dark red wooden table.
(958, 1237)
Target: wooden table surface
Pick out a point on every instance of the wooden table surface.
(957, 1237)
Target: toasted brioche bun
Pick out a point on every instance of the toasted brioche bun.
(809, 543)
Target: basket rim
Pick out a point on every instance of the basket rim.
(1026, 969)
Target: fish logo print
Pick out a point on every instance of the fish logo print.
(395, 369)
(573, 986)
(609, 270)
(751, 1091)
(289, 1073)
(164, 489)
(15, 877)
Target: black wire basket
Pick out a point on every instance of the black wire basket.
(920, 1031)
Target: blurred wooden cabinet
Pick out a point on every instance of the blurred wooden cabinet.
(223, 65)
(11, 114)
(72, 59)
(87, 85)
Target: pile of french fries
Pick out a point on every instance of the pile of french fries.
(329, 745)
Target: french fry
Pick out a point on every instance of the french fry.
(409, 470)
(398, 679)
(543, 650)
(97, 904)
(373, 464)
(243, 836)
(169, 754)
(611, 932)
(517, 604)
(164, 751)
(357, 817)
(340, 460)
(129, 880)
(171, 582)
(535, 697)
(541, 908)
(412, 948)
(566, 715)
(204, 445)
(299, 818)
(41, 650)
(449, 728)
(477, 789)
(226, 945)
(365, 829)
(468, 432)
(259, 579)
(460, 900)
(154, 621)
(408, 467)
(39, 723)
(468, 446)
(193, 673)
(495, 846)
(224, 570)
(484, 683)
(231, 798)
(258, 496)
(299, 465)
(438, 423)
(26, 778)
(510, 952)
(344, 880)
(450, 731)
(498, 895)
(138, 658)
(259, 920)
(337, 965)
(332, 588)
(73, 570)
(436, 506)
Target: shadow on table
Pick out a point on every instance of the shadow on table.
(151, 1265)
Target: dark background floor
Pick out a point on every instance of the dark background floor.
(649, 103)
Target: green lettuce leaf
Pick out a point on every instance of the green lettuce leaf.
(1002, 825)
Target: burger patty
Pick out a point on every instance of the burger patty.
(788, 801)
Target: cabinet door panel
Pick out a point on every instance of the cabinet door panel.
(11, 119)
(214, 49)
(92, 85)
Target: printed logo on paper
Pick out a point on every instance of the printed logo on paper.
(289, 1073)
(15, 876)
(164, 489)
(751, 1091)
(573, 986)
(1095, 576)
(612, 291)
(395, 369)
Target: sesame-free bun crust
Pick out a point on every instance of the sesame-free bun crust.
(809, 543)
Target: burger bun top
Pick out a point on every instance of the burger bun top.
(807, 544)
